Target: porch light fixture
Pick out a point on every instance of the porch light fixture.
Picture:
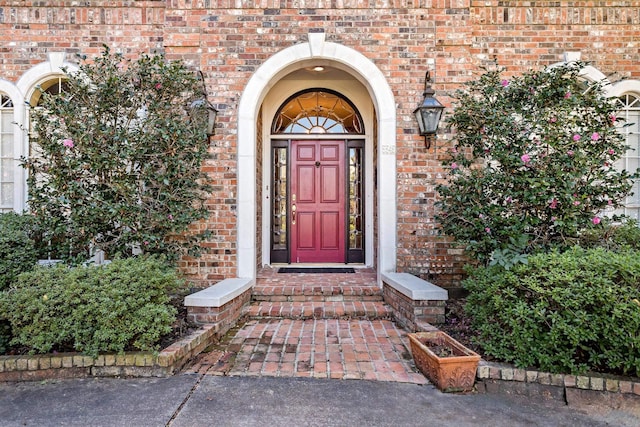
(428, 113)
(212, 113)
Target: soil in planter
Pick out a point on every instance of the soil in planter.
(440, 349)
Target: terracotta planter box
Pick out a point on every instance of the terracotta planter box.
(449, 365)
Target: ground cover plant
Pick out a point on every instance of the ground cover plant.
(117, 158)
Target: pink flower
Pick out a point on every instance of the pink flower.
(570, 153)
(504, 83)
(158, 85)
(567, 95)
(488, 230)
(576, 137)
(576, 203)
(595, 220)
(146, 243)
(553, 204)
(553, 119)
(454, 165)
(525, 158)
(613, 118)
(553, 218)
(595, 136)
(611, 151)
(609, 202)
(509, 199)
(171, 217)
(67, 142)
(480, 216)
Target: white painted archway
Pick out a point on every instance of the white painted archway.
(365, 71)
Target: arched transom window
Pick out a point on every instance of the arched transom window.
(52, 86)
(317, 111)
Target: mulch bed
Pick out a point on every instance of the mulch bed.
(458, 325)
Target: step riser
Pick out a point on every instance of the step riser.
(316, 298)
(329, 310)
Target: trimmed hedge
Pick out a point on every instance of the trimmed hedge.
(124, 305)
(564, 312)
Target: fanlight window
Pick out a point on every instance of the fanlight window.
(54, 86)
(317, 111)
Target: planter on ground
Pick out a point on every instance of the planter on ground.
(449, 365)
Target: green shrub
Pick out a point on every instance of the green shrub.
(17, 247)
(562, 312)
(120, 306)
(612, 236)
(5, 336)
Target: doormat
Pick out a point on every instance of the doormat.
(315, 270)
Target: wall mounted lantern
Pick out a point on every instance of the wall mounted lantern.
(428, 113)
(212, 113)
(211, 124)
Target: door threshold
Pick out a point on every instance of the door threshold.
(316, 265)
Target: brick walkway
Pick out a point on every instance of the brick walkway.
(318, 348)
(315, 325)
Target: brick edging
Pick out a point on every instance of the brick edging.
(488, 371)
(133, 364)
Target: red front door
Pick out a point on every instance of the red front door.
(317, 202)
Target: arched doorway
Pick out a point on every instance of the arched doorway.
(252, 115)
(317, 180)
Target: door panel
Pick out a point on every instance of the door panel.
(307, 191)
(306, 230)
(330, 184)
(318, 201)
(332, 229)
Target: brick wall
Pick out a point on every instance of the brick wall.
(229, 40)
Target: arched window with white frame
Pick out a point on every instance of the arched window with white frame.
(629, 126)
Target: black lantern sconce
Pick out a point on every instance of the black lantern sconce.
(428, 113)
(212, 113)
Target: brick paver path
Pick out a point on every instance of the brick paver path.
(318, 348)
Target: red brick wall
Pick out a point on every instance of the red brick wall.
(229, 43)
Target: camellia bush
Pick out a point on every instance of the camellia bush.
(533, 163)
(117, 157)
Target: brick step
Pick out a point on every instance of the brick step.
(316, 293)
(318, 310)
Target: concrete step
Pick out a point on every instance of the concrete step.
(318, 310)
